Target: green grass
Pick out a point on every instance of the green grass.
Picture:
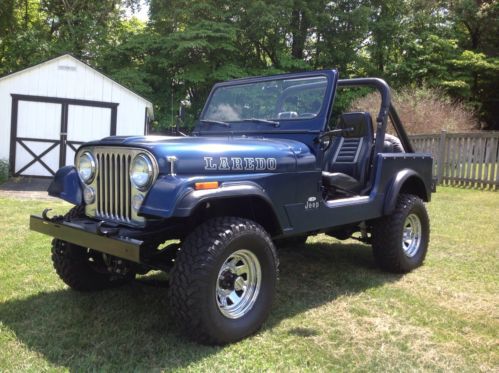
(335, 310)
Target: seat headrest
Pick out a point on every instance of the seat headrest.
(361, 123)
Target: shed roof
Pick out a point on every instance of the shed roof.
(64, 56)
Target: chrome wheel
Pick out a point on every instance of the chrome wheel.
(411, 235)
(238, 284)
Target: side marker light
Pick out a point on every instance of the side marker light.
(206, 185)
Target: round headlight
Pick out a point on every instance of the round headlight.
(89, 195)
(141, 171)
(86, 167)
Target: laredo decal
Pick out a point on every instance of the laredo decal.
(239, 164)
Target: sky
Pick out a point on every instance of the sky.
(142, 14)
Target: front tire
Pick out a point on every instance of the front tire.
(400, 240)
(83, 269)
(223, 283)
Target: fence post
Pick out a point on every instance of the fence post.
(441, 157)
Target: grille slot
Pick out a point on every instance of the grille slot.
(113, 186)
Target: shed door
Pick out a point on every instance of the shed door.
(38, 138)
(85, 123)
(46, 131)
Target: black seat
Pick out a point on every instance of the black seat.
(346, 162)
(341, 181)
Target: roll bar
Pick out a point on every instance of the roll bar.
(386, 111)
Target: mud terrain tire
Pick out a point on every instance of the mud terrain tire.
(217, 257)
(400, 240)
(80, 268)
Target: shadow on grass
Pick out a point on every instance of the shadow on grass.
(130, 328)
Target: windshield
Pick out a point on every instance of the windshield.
(271, 100)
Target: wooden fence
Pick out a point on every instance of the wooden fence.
(463, 159)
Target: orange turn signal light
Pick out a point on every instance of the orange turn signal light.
(206, 185)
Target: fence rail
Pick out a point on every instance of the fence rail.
(463, 159)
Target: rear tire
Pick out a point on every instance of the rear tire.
(400, 240)
(223, 283)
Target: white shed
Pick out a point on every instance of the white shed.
(48, 110)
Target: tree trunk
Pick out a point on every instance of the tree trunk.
(299, 29)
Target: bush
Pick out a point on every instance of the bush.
(423, 110)
(4, 170)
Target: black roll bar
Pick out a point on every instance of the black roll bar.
(399, 128)
(386, 111)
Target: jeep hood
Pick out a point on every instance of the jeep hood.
(220, 155)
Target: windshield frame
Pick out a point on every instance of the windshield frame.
(314, 124)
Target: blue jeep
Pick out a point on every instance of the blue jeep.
(264, 167)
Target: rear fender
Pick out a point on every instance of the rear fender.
(66, 185)
(406, 181)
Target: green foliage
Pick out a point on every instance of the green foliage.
(345, 99)
(4, 170)
(188, 45)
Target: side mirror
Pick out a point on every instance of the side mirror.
(354, 125)
(326, 137)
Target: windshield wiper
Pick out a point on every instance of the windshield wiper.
(219, 122)
(264, 121)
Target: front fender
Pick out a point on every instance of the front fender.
(175, 197)
(161, 199)
(66, 185)
(419, 188)
(194, 198)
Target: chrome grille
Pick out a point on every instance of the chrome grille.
(114, 192)
(113, 201)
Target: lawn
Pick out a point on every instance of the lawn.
(335, 310)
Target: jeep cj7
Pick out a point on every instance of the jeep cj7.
(262, 168)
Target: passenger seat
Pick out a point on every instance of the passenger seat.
(346, 164)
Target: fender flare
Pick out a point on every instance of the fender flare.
(396, 185)
(192, 200)
(66, 185)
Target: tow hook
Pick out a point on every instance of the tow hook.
(107, 229)
(55, 219)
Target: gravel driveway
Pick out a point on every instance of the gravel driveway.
(26, 187)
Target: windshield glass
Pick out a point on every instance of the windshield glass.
(271, 100)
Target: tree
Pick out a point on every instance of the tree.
(188, 45)
(476, 22)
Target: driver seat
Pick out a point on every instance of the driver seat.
(346, 163)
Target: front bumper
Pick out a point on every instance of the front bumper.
(86, 234)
